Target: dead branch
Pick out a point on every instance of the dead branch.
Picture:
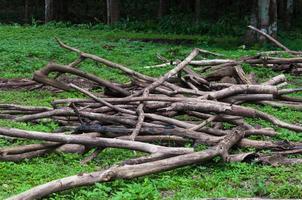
(270, 38)
(131, 171)
(158, 116)
(96, 142)
(41, 76)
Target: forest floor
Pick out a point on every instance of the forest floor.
(26, 49)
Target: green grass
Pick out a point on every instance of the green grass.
(26, 49)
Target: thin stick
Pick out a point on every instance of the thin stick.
(93, 141)
(206, 52)
(204, 123)
(92, 156)
(100, 100)
(171, 73)
(141, 117)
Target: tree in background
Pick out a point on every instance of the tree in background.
(197, 10)
(172, 16)
(162, 8)
(113, 11)
(26, 11)
(49, 10)
(264, 16)
(288, 13)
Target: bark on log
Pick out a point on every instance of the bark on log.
(96, 142)
(131, 171)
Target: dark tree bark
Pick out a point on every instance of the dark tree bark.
(289, 10)
(197, 11)
(35, 7)
(61, 8)
(281, 9)
(273, 27)
(186, 5)
(297, 8)
(250, 35)
(113, 11)
(49, 10)
(162, 8)
(26, 11)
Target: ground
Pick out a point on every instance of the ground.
(26, 49)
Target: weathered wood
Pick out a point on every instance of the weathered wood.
(147, 113)
(131, 171)
(96, 142)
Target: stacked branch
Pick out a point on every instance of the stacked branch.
(156, 116)
(292, 63)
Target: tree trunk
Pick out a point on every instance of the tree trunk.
(281, 9)
(113, 11)
(263, 15)
(197, 11)
(163, 5)
(186, 5)
(35, 8)
(273, 27)
(26, 11)
(297, 8)
(288, 13)
(64, 9)
(267, 18)
(250, 35)
(49, 10)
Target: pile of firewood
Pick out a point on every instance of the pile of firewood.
(157, 116)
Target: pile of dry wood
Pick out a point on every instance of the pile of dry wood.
(156, 116)
(271, 59)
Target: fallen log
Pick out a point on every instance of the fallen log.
(158, 116)
(131, 171)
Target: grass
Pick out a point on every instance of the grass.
(26, 49)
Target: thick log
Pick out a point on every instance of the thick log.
(96, 142)
(224, 108)
(131, 171)
(41, 76)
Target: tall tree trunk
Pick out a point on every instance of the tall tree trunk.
(250, 35)
(197, 11)
(263, 16)
(36, 8)
(267, 17)
(26, 11)
(281, 9)
(186, 5)
(113, 11)
(49, 7)
(288, 13)
(162, 8)
(63, 10)
(273, 27)
(297, 8)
